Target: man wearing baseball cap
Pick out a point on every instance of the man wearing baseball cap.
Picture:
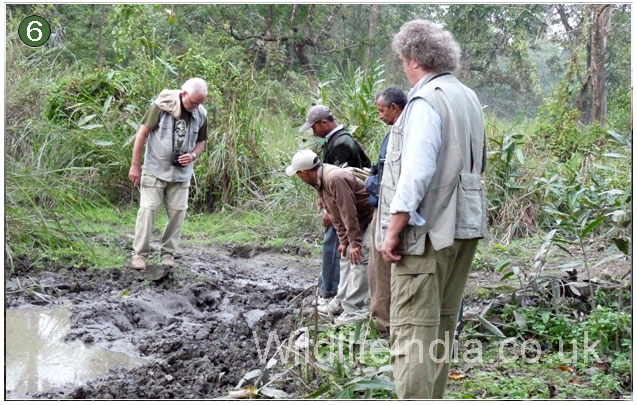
(339, 149)
(346, 202)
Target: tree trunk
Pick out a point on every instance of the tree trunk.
(100, 37)
(263, 51)
(582, 43)
(307, 67)
(599, 45)
(298, 38)
(373, 18)
(294, 31)
(584, 104)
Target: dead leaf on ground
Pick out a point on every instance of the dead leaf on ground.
(244, 393)
(602, 366)
(454, 375)
(566, 368)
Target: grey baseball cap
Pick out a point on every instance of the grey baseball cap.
(315, 114)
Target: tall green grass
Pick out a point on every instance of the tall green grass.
(70, 130)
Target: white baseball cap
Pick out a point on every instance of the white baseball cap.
(302, 160)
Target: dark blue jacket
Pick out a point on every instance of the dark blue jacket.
(373, 181)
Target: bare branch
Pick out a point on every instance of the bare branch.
(268, 37)
(268, 23)
(308, 21)
(524, 10)
(338, 50)
(327, 23)
(564, 17)
(604, 7)
(293, 18)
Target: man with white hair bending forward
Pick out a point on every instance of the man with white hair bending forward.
(176, 129)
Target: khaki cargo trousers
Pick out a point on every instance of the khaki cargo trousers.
(379, 282)
(353, 286)
(426, 294)
(153, 192)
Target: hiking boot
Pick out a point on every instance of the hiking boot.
(320, 302)
(349, 317)
(168, 260)
(333, 307)
(138, 262)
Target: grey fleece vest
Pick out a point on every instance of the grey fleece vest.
(454, 205)
(159, 147)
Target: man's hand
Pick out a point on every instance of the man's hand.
(134, 174)
(355, 255)
(397, 223)
(389, 247)
(342, 249)
(186, 159)
(326, 220)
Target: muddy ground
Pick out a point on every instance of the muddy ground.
(195, 327)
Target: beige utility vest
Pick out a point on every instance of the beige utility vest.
(159, 147)
(454, 205)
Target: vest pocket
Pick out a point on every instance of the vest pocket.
(469, 207)
(408, 238)
(165, 127)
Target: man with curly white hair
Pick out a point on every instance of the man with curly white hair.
(432, 207)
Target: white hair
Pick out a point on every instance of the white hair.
(429, 44)
(195, 85)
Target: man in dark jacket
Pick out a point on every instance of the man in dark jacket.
(340, 149)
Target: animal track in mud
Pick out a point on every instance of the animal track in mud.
(196, 328)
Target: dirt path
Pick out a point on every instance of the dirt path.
(196, 327)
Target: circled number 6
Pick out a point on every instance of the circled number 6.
(30, 30)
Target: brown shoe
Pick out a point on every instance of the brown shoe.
(168, 260)
(138, 262)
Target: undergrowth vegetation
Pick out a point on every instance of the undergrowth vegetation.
(551, 181)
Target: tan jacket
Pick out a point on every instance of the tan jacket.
(346, 202)
(454, 206)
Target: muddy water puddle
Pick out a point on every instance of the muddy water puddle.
(37, 358)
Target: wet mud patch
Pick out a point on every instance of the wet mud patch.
(196, 327)
(248, 251)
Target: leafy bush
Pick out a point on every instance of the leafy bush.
(619, 110)
(510, 194)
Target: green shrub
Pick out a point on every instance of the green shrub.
(619, 110)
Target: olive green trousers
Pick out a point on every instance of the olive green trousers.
(426, 294)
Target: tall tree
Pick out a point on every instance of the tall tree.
(495, 40)
(100, 36)
(602, 16)
(297, 32)
(589, 28)
(373, 19)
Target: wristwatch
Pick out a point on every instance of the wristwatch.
(194, 155)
